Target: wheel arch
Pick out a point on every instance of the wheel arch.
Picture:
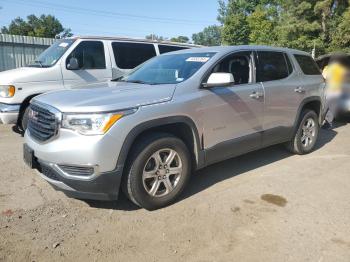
(313, 103)
(182, 127)
(24, 105)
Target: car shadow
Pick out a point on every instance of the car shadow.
(211, 175)
(219, 172)
(123, 203)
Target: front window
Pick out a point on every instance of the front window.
(51, 55)
(168, 69)
(90, 55)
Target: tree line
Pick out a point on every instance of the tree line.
(301, 24)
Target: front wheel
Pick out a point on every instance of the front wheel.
(306, 134)
(24, 119)
(158, 170)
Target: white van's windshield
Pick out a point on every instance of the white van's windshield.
(167, 69)
(51, 55)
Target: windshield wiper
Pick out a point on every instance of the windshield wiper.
(118, 79)
(139, 82)
(39, 62)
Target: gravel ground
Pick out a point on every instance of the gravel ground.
(263, 206)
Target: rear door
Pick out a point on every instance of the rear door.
(233, 115)
(280, 80)
(94, 64)
(311, 78)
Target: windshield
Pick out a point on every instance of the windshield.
(51, 55)
(168, 69)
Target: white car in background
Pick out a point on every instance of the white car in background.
(73, 62)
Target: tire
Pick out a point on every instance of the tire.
(152, 190)
(24, 119)
(305, 136)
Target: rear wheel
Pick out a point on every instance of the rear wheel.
(306, 134)
(158, 170)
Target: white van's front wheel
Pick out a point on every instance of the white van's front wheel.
(24, 119)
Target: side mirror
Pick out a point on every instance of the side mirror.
(219, 79)
(73, 64)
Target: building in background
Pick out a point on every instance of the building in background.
(17, 51)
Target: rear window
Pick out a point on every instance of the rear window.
(272, 66)
(169, 48)
(307, 65)
(130, 55)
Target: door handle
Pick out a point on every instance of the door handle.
(299, 90)
(256, 95)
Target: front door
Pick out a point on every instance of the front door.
(233, 115)
(94, 64)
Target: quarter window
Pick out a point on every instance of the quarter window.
(271, 66)
(90, 55)
(130, 55)
(169, 48)
(307, 65)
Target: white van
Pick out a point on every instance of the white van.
(71, 62)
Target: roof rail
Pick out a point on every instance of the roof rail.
(135, 40)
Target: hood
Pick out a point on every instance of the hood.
(24, 74)
(110, 96)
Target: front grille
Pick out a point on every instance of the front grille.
(42, 123)
(77, 170)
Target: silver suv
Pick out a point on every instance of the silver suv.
(178, 112)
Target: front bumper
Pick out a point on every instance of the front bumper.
(9, 113)
(102, 186)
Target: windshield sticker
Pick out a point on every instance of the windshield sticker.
(198, 59)
(63, 44)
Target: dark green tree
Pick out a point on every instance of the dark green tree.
(155, 37)
(43, 26)
(210, 36)
(341, 35)
(238, 25)
(262, 23)
(300, 24)
(235, 30)
(180, 39)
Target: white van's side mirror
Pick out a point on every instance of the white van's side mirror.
(219, 79)
(73, 64)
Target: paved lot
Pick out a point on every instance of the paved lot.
(264, 206)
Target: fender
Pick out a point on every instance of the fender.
(137, 130)
(301, 106)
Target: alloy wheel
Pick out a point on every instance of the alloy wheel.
(162, 172)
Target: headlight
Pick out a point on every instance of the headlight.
(7, 91)
(93, 124)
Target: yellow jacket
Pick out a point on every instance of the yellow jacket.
(335, 75)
